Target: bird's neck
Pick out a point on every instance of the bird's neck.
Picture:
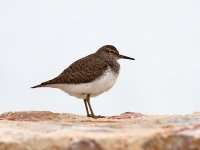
(111, 62)
(114, 65)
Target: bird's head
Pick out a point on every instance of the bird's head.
(110, 52)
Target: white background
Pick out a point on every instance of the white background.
(40, 38)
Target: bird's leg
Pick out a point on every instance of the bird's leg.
(90, 107)
(92, 113)
(88, 104)
(86, 107)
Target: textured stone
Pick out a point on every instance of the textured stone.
(129, 131)
(187, 138)
(127, 115)
(86, 144)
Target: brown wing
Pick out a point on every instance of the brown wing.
(84, 70)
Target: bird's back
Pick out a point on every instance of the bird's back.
(84, 70)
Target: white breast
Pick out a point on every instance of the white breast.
(95, 88)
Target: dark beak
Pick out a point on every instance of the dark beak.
(126, 57)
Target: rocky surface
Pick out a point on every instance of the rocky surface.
(128, 131)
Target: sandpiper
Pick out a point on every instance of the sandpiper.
(89, 76)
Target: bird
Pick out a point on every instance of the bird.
(89, 76)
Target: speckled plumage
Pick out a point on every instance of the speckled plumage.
(85, 70)
(89, 76)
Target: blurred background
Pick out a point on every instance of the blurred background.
(40, 38)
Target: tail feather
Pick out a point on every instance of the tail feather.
(45, 83)
(41, 85)
(37, 86)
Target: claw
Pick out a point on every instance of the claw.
(95, 117)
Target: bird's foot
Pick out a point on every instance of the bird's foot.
(94, 116)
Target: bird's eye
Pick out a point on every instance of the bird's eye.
(112, 52)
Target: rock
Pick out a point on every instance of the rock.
(33, 116)
(44, 130)
(127, 115)
(86, 144)
(187, 138)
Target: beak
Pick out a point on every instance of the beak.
(125, 57)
